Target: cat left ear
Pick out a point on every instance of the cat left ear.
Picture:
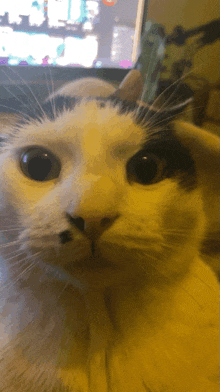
(130, 88)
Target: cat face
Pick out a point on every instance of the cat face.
(99, 191)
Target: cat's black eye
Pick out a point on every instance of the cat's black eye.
(39, 164)
(145, 168)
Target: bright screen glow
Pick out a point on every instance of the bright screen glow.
(68, 32)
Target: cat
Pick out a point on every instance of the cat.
(102, 215)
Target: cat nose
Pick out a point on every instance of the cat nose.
(81, 223)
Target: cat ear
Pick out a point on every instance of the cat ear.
(130, 88)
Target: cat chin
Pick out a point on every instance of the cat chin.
(108, 265)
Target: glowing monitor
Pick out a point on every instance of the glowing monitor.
(71, 33)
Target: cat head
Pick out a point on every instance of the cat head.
(101, 188)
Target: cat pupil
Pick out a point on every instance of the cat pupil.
(40, 164)
(38, 169)
(145, 168)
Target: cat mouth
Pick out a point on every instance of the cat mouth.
(94, 260)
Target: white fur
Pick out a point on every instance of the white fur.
(145, 317)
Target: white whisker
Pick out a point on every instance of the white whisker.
(12, 229)
(165, 104)
(16, 254)
(35, 98)
(178, 81)
(19, 88)
(15, 110)
(7, 245)
(25, 271)
(51, 100)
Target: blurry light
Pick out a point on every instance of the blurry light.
(13, 61)
(87, 26)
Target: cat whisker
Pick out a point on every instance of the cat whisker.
(152, 121)
(191, 297)
(64, 288)
(12, 229)
(25, 271)
(11, 243)
(173, 116)
(164, 105)
(179, 233)
(19, 100)
(35, 98)
(207, 285)
(17, 111)
(52, 82)
(174, 247)
(144, 266)
(15, 255)
(52, 100)
(12, 253)
(45, 74)
(178, 81)
(188, 110)
(166, 102)
(19, 88)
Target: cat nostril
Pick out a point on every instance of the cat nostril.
(65, 237)
(77, 221)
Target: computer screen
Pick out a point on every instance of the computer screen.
(71, 33)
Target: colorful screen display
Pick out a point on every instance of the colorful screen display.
(85, 33)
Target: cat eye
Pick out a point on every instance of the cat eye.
(39, 164)
(145, 168)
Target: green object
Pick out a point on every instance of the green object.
(151, 59)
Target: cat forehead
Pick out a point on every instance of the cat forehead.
(86, 123)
